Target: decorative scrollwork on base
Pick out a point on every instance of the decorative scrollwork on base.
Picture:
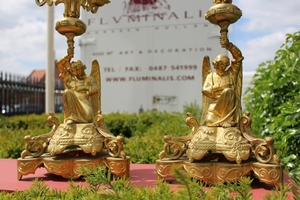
(216, 172)
(34, 147)
(175, 147)
(69, 164)
(262, 149)
(114, 145)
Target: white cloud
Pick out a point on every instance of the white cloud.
(260, 49)
(23, 33)
(269, 16)
(263, 28)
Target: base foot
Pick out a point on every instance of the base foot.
(68, 165)
(212, 172)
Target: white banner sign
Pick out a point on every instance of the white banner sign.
(150, 52)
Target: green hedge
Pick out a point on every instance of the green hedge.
(274, 102)
(13, 130)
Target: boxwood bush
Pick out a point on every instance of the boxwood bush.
(13, 129)
(274, 102)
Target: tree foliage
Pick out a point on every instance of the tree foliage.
(274, 102)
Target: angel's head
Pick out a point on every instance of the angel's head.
(221, 62)
(78, 68)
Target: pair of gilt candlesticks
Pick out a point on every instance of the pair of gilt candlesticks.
(221, 147)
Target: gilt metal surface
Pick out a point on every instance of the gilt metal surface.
(222, 146)
(83, 126)
(69, 164)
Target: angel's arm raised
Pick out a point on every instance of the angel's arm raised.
(64, 66)
(236, 53)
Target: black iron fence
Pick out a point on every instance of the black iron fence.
(22, 95)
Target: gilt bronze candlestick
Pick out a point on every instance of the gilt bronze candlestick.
(222, 146)
(83, 138)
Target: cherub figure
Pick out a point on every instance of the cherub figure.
(81, 97)
(222, 88)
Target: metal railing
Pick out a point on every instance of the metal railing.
(22, 95)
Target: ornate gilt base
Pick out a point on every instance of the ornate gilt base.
(165, 167)
(68, 164)
(214, 172)
(229, 141)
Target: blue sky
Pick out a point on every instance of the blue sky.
(259, 33)
(263, 27)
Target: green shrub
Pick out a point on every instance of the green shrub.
(120, 124)
(147, 140)
(27, 122)
(274, 102)
(296, 188)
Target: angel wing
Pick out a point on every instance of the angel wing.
(238, 88)
(206, 69)
(96, 99)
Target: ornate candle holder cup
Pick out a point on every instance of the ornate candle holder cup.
(223, 13)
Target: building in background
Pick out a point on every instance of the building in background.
(150, 52)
